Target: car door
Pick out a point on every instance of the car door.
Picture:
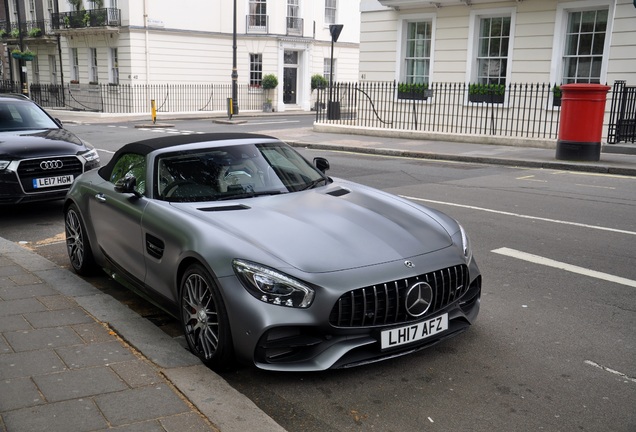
(117, 216)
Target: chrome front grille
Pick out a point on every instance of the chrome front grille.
(31, 169)
(384, 304)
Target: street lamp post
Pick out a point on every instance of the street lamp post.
(234, 108)
(21, 64)
(333, 107)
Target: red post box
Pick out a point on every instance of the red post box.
(581, 124)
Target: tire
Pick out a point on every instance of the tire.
(204, 319)
(77, 244)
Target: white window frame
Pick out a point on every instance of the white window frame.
(35, 66)
(93, 73)
(75, 65)
(326, 69)
(333, 8)
(402, 34)
(113, 60)
(257, 82)
(561, 22)
(473, 46)
(53, 69)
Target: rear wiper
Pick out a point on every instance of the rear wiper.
(249, 195)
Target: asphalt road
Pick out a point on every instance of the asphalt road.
(554, 346)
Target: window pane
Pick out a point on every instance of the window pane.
(493, 50)
(587, 21)
(494, 47)
(598, 44)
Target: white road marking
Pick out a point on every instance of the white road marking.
(612, 371)
(273, 122)
(522, 216)
(563, 266)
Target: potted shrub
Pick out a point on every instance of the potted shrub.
(67, 21)
(15, 33)
(86, 19)
(16, 53)
(3, 33)
(318, 82)
(35, 32)
(490, 93)
(269, 82)
(414, 91)
(556, 95)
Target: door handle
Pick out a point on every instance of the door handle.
(100, 197)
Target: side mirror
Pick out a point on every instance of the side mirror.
(127, 185)
(321, 163)
(59, 122)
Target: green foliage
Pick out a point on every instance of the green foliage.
(269, 82)
(556, 91)
(318, 81)
(487, 89)
(412, 88)
(35, 32)
(3, 33)
(15, 33)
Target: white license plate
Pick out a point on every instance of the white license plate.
(52, 181)
(414, 332)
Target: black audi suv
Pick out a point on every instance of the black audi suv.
(39, 159)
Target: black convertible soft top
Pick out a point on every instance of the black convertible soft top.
(147, 146)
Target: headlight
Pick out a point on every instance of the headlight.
(271, 286)
(91, 155)
(462, 240)
(4, 164)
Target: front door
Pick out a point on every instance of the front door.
(290, 75)
(289, 85)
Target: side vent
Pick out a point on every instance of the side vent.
(154, 246)
(339, 192)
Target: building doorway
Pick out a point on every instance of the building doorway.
(290, 77)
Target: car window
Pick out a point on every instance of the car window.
(131, 164)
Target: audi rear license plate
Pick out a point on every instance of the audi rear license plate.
(52, 181)
(414, 332)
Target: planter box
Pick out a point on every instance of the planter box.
(556, 101)
(479, 98)
(415, 95)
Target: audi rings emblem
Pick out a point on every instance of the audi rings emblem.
(51, 164)
(418, 299)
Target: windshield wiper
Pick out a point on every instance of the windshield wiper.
(313, 184)
(249, 195)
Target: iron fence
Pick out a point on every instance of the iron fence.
(516, 110)
(136, 99)
(622, 124)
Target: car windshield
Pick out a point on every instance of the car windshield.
(232, 172)
(23, 115)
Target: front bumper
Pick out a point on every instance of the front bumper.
(289, 339)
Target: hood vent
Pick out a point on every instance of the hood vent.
(339, 192)
(225, 208)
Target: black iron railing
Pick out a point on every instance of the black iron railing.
(131, 99)
(257, 23)
(516, 110)
(294, 26)
(87, 18)
(622, 124)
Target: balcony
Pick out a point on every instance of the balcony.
(107, 17)
(294, 26)
(257, 23)
(31, 29)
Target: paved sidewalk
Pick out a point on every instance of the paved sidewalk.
(74, 359)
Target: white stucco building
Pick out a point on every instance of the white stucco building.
(498, 41)
(187, 42)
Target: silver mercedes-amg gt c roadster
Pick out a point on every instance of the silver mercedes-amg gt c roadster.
(265, 259)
